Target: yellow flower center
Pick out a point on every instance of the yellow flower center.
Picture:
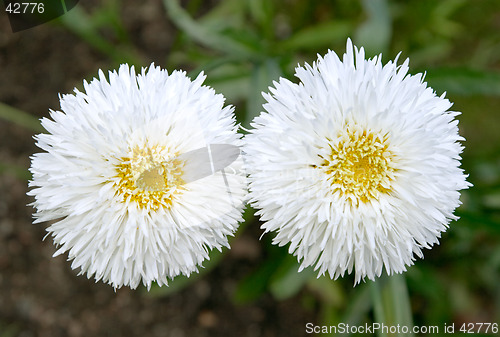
(149, 177)
(359, 164)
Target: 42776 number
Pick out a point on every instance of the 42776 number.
(25, 7)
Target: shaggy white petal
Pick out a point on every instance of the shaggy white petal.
(356, 167)
(105, 156)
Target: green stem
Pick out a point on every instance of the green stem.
(401, 301)
(391, 305)
(379, 310)
(64, 6)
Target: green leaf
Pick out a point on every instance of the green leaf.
(80, 23)
(223, 15)
(324, 34)
(181, 282)
(108, 15)
(287, 281)
(356, 312)
(428, 286)
(232, 78)
(263, 75)
(262, 12)
(479, 220)
(9, 329)
(247, 39)
(327, 290)
(17, 171)
(222, 68)
(358, 307)
(464, 81)
(375, 33)
(256, 284)
(202, 34)
(20, 118)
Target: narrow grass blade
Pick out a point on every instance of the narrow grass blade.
(20, 118)
(201, 34)
(80, 23)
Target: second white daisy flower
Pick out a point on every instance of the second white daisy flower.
(357, 166)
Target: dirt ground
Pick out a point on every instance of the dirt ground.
(40, 295)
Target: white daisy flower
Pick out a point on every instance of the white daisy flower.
(120, 176)
(357, 166)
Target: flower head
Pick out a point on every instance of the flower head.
(117, 176)
(357, 166)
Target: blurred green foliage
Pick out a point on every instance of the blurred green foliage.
(244, 45)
